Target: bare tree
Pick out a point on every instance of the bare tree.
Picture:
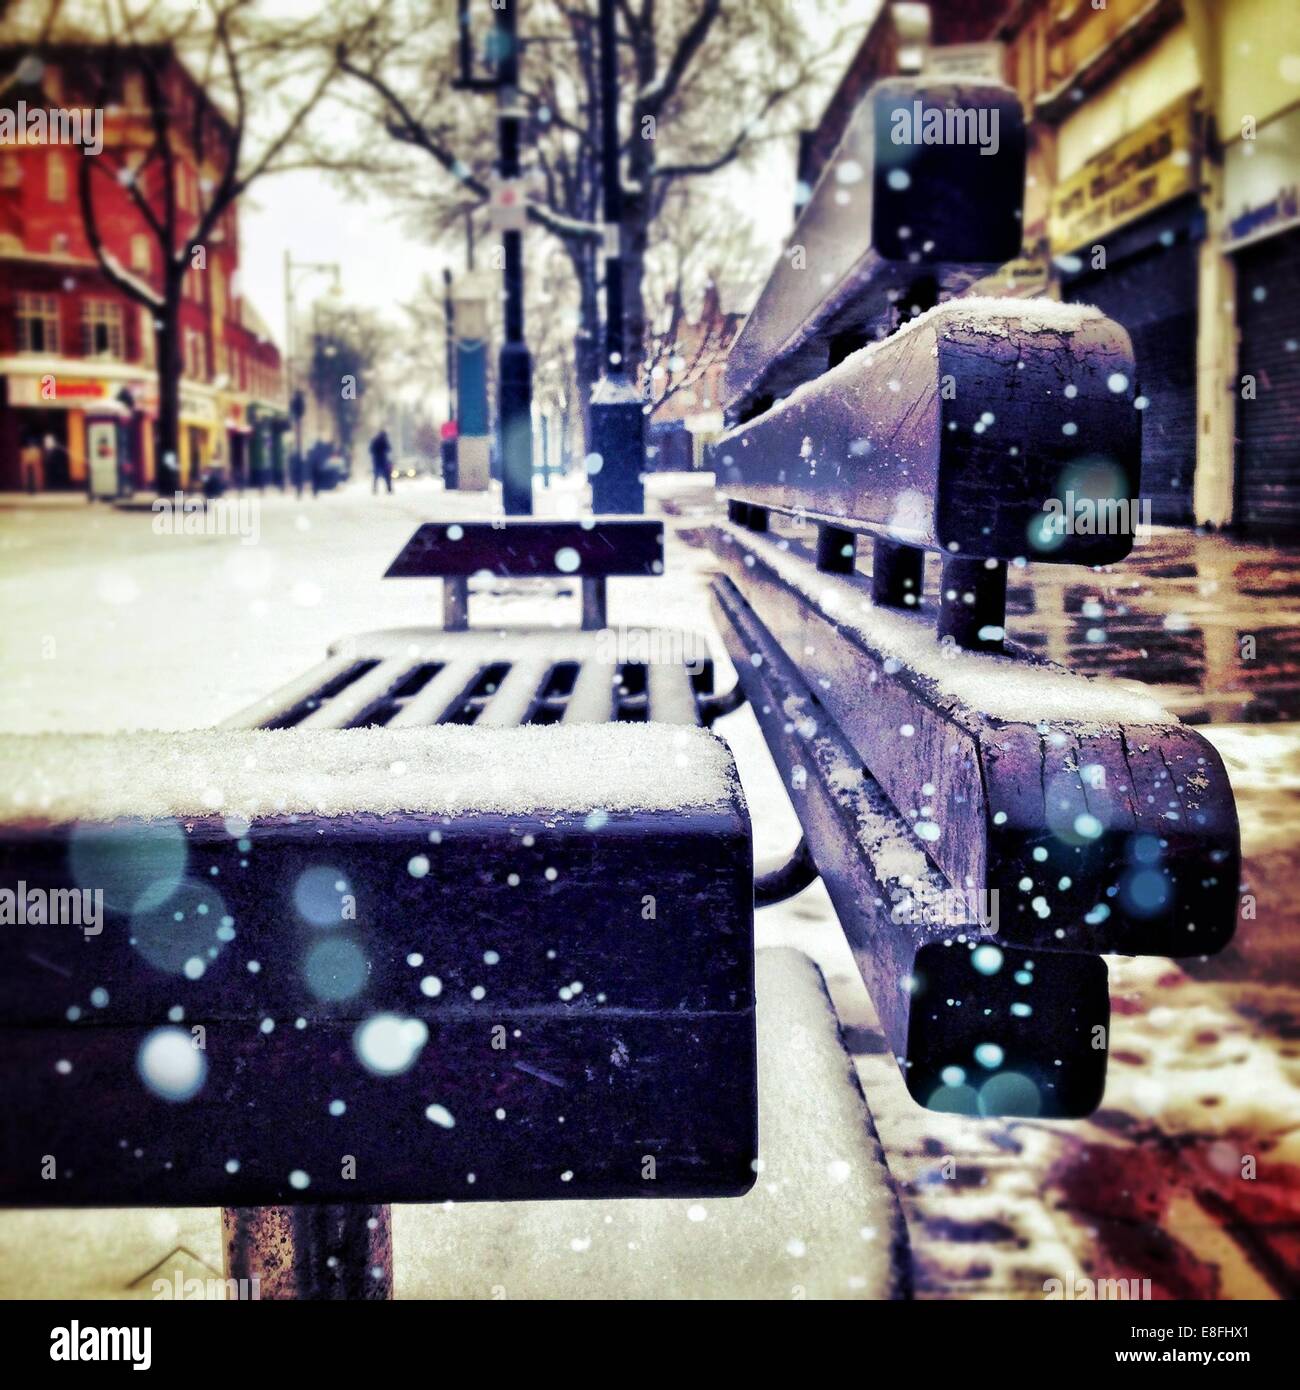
(700, 90)
(703, 263)
(196, 67)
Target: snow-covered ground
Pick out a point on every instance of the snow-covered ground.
(109, 626)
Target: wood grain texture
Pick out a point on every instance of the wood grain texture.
(952, 435)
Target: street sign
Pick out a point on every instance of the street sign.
(956, 60)
(507, 208)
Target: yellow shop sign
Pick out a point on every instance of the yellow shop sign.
(1150, 166)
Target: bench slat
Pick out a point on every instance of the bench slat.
(443, 694)
(941, 1005)
(1009, 786)
(670, 694)
(953, 434)
(592, 698)
(516, 696)
(346, 708)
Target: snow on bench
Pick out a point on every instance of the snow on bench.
(821, 1221)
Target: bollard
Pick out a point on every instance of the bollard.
(617, 440)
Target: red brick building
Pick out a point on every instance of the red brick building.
(78, 379)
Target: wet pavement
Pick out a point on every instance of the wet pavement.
(1213, 624)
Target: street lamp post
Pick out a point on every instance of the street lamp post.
(450, 461)
(514, 365)
(292, 374)
(617, 419)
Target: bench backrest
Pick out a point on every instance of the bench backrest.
(897, 218)
(589, 550)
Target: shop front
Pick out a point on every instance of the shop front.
(202, 436)
(265, 455)
(64, 430)
(239, 443)
(1262, 236)
(1125, 233)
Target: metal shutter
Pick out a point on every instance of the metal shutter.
(1154, 297)
(1268, 428)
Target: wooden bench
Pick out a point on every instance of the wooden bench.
(989, 826)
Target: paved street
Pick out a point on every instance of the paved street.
(119, 628)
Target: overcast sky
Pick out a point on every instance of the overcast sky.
(381, 263)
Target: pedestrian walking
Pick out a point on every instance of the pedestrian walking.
(318, 457)
(381, 461)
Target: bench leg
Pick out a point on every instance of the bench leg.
(455, 603)
(311, 1252)
(593, 605)
(973, 603)
(897, 573)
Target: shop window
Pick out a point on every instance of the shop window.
(56, 178)
(196, 356)
(147, 332)
(101, 328)
(38, 323)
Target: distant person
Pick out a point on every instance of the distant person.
(31, 460)
(318, 457)
(381, 461)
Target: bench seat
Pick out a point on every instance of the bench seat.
(495, 677)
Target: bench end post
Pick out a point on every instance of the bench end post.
(455, 603)
(317, 1252)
